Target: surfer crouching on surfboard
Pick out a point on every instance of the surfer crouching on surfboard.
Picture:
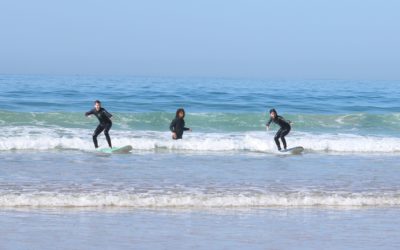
(105, 122)
(283, 130)
(177, 125)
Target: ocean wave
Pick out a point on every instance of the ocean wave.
(360, 123)
(35, 138)
(200, 200)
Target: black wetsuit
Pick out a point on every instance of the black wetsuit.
(105, 124)
(178, 126)
(283, 130)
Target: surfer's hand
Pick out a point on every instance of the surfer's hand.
(190, 130)
(173, 135)
(267, 128)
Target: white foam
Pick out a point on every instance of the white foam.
(199, 200)
(35, 138)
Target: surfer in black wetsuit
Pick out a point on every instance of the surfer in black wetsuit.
(283, 130)
(177, 125)
(105, 122)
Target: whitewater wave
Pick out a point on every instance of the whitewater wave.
(35, 138)
(199, 200)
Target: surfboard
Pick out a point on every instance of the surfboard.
(116, 150)
(294, 150)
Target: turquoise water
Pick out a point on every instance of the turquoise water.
(224, 184)
(356, 123)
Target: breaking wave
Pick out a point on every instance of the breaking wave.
(168, 199)
(36, 138)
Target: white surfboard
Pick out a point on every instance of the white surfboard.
(294, 150)
(116, 150)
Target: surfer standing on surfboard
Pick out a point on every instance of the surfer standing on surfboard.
(105, 122)
(283, 130)
(177, 125)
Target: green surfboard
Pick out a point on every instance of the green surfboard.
(294, 151)
(116, 150)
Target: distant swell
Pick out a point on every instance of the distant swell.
(199, 200)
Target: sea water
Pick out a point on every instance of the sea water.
(224, 186)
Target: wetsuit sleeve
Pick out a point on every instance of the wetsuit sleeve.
(186, 129)
(269, 122)
(283, 122)
(287, 121)
(107, 113)
(172, 125)
(91, 112)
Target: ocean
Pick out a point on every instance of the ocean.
(224, 186)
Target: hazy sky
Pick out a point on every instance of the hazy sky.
(347, 39)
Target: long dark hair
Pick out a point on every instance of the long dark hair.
(178, 111)
(273, 111)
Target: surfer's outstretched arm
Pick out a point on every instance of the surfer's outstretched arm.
(268, 123)
(90, 112)
(172, 128)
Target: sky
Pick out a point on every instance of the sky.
(285, 39)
